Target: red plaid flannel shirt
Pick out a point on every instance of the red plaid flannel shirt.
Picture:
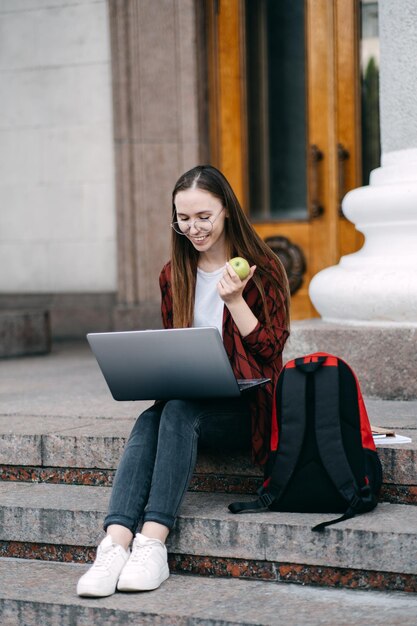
(258, 355)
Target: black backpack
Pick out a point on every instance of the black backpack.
(323, 457)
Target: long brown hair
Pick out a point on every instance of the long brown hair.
(241, 240)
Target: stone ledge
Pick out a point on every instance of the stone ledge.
(72, 314)
(200, 482)
(384, 358)
(24, 332)
(225, 567)
(383, 540)
(82, 444)
(44, 593)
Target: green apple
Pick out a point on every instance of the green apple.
(241, 267)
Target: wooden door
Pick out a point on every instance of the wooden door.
(284, 123)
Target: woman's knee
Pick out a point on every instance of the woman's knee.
(147, 424)
(179, 414)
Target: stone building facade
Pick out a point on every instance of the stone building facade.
(99, 117)
(103, 105)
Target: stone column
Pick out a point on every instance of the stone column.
(368, 303)
(378, 284)
(156, 138)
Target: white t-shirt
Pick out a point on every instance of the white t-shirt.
(208, 306)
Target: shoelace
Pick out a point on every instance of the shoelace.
(140, 553)
(104, 558)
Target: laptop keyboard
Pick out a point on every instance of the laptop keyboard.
(247, 383)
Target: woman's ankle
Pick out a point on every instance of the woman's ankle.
(120, 535)
(154, 530)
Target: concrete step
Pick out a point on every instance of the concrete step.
(86, 450)
(63, 522)
(44, 593)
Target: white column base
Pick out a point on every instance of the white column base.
(378, 284)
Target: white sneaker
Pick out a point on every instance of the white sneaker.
(147, 567)
(101, 579)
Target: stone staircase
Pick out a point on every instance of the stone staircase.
(61, 436)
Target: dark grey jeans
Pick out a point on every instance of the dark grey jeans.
(160, 455)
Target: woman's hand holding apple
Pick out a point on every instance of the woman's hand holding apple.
(231, 287)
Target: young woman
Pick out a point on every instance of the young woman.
(199, 288)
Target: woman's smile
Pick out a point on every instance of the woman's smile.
(199, 239)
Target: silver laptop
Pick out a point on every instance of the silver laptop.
(167, 364)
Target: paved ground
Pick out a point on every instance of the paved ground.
(65, 383)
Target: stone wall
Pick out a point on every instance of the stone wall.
(57, 218)
(101, 110)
